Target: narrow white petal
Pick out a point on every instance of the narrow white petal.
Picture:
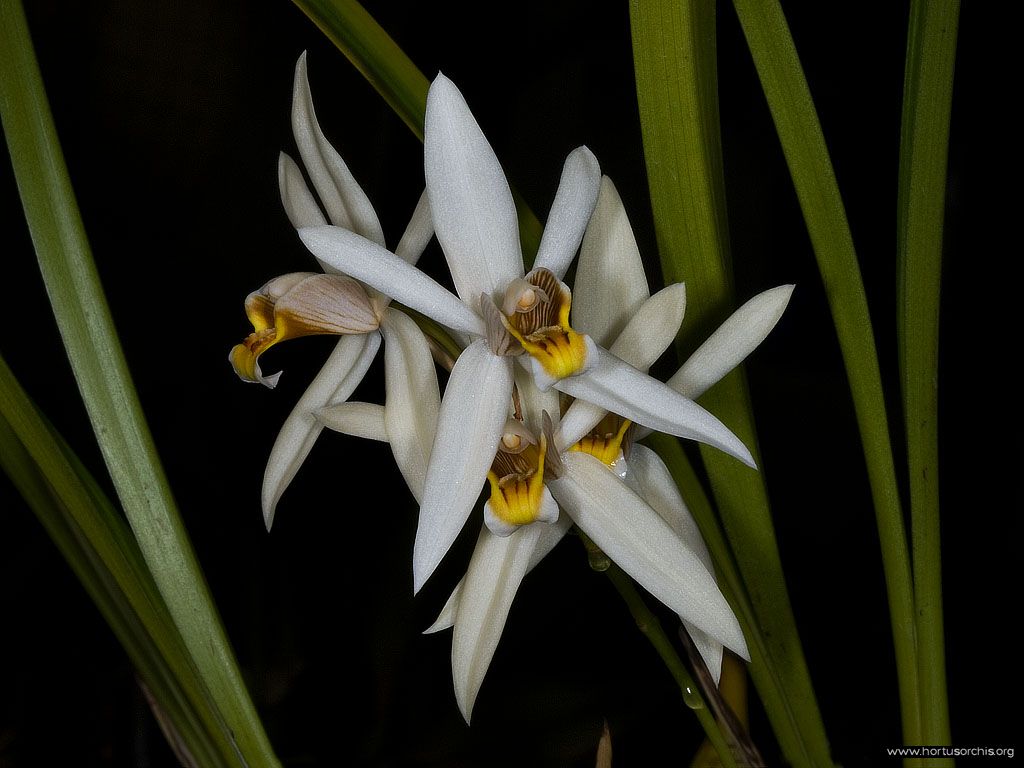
(652, 328)
(549, 537)
(642, 544)
(346, 203)
(574, 203)
(610, 281)
(730, 344)
(650, 478)
(472, 206)
(471, 420)
(339, 377)
(298, 201)
(495, 572)
(449, 613)
(622, 389)
(532, 400)
(413, 397)
(709, 649)
(417, 233)
(356, 256)
(365, 420)
(644, 339)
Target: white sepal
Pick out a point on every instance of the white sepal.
(299, 203)
(356, 256)
(474, 215)
(495, 572)
(470, 424)
(574, 203)
(532, 400)
(417, 233)
(365, 420)
(550, 536)
(610, 282)
(646, 336)
(730, 344)
(652, 328)
(636, 538)
(413, 399)
(622, 389)
(709, 649)
(346, 204)
(339, 377)
(650, 478)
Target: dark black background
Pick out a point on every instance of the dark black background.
(171, 118)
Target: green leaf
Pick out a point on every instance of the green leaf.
(386, 67)
(676, 74)
(105, 384)
(803, 144)
(97, 544)
(927, 100)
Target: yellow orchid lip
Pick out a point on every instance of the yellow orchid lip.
(606, 441)
(517, 479)
(300, 304)
(536, 313)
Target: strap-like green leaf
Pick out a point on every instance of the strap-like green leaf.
(676, 74)
(105, 384)
(100, 548)
(927, 99)
(803, 144)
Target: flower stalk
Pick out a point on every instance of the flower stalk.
(650, 627)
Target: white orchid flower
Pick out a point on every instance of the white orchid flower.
(605, 508)
(613, 305)
(300, 304)
(503, 313)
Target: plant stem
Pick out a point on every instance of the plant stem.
(651, 628)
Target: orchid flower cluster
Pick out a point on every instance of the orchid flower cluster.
(548, 397)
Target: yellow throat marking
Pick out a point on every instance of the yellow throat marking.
(517, 493)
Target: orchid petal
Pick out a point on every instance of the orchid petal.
(549, 537)
(470, 424)
(622, 389)
(709, 649)
(378, 267)
(365, 420)
(652, 328)
(495, 572)
(650, 478)
(449, 613)
(472, 206)
(413, 399)
(644, 339)
(570, 212)
(346, 203)
(642, 544)
(339, 377)
(730, 344)
(417, 233)
(298, 201)
(533, 401)
(610, 282)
